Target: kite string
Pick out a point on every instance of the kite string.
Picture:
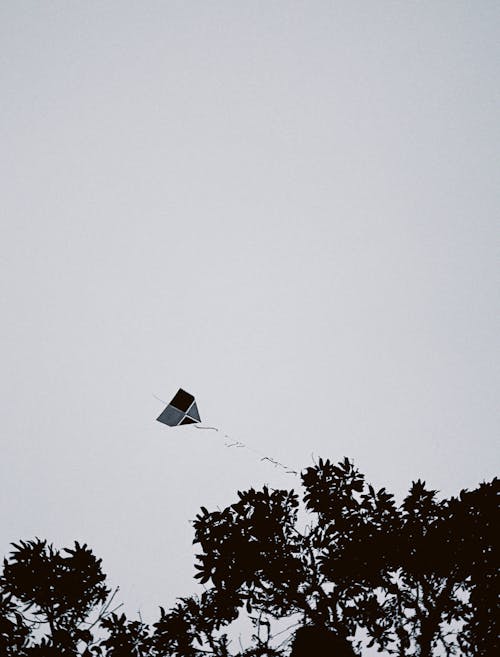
(229, 442)
(262, 457)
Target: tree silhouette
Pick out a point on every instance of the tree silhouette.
(414, 579)
(319, 641)
(352, 569)
(125, 638)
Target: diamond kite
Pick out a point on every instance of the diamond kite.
(181, 410)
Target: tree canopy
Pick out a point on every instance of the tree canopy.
(415, 578)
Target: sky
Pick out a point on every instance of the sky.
(290, 209)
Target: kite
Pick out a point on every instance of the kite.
(183, 410)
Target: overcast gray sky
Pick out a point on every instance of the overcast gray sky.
(287, 208)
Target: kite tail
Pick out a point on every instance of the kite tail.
(228, 442)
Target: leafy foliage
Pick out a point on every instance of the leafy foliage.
(415, 579)
(407, 577)
(125, 638)
(54, 589)
(14, 631)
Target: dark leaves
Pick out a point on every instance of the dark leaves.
(399, 575)
(51, 583)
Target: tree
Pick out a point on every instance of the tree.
(319, 642)
(125, 638)
(14, 631)
(413, 579)
(51, 592)
(471, 536)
